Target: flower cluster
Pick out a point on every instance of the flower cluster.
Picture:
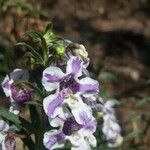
(111, 128)
(64, 92)
(65, 106)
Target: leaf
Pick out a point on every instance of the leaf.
(17, 120)
(37, 35)
(135, 118)
(34, 52)
(33, 103)
(105, 75)
(143, 102)
(48, 32)
(33, 35)
(9, 116)
(132, 135)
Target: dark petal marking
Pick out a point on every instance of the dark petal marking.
(70, 126)
(20, 94)
(69, 82)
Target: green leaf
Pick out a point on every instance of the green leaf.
(37, 35)
(105, 75)
(33, 103)
(143, 102)
(17, 120)
(133, 135)
(33, 35)
(135, 118)
(34, 52)
(9, 116)
(48, 34)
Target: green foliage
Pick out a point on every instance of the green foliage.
(17, 120)
(34, 10)
(144, 101)
(47, 47)
(133, 135)
(106, 75)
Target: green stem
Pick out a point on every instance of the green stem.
(29, 143)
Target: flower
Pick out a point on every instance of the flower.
(79, 133)
(18, 93)
(111, 128)
(6, 142)
(66, 84)
(74, 49)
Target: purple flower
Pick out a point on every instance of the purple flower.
(17, 93)
(21, 93)
(66, 84)
(6, 142)
(111, 128)
(79, 134)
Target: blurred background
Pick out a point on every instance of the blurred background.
(116, 33)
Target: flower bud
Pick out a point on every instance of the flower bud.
(60, 50)
(21, 93)
(80, 51)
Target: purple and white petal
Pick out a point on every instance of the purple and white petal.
(54, 139)
(4, 127)
(56, 122)
(88, 85)
(51, 78)
(94, 101)
(74, 66)
(6, 84)
(51, 102)
(86, 119)
(19, 74)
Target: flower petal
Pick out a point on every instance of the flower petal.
(53, 139)
(51, 77)
(83, 146)
(92, 140)
(3, 126)
(19, 74)
(14, 108)
(56, 122)
(74, 66)
(76, 138)
(88, 85)
(51, 102)
(84, 117)
(6, 84)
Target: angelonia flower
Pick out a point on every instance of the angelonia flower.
(67, 94)
(18, 93)
(7, 142)
(111, 128)
(69, 106)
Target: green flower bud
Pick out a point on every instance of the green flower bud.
(60, 50)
